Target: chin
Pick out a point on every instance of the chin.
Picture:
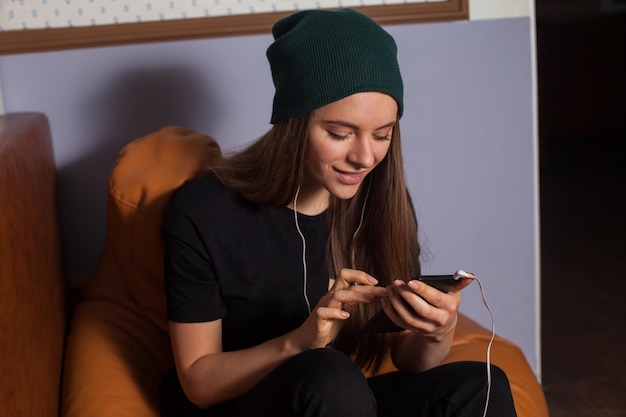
(345, 192)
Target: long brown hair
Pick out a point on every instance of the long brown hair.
(269, 172)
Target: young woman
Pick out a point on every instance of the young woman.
(275, 259)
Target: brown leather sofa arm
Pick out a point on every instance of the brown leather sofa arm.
(32, 288)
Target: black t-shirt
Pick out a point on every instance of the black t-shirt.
(227, 258)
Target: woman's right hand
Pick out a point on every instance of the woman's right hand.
(197, 347)
(329, 315)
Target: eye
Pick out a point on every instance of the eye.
(386, 136)
(337, 136)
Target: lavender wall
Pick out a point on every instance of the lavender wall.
(468, 133)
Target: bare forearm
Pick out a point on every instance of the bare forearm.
(416, 353)
(222, 376)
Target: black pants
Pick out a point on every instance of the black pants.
(325, 383)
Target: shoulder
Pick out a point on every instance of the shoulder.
(203, 187)
(205, 199)
(194, 199)
(203, 193)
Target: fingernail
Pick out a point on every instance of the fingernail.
(414, 284)
(372, 280)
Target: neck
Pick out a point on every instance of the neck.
(309, 201)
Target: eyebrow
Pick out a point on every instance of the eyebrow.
(355, 127)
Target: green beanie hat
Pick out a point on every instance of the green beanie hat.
(321, 56)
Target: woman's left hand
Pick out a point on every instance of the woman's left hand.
(429, 315)
(422, 309)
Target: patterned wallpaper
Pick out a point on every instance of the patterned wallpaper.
(39, 14)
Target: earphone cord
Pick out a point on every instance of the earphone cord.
(356, 232)
(493, 335)
(295, 216)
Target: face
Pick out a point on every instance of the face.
(347, 140)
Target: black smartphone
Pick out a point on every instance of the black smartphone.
(380, 323)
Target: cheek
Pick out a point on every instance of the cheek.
(382, 151)
(314, 162)
(323, 154)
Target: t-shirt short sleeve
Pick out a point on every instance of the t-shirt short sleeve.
(231, 259)
(190, 284)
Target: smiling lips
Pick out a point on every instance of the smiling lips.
(350, 178)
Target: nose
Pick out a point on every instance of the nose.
(362, 153)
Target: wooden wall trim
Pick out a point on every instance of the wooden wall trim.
(40, 40)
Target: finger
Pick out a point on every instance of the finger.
(373, 290)
(325, 323)
(447, 301)
(352, 296)
(406, 304)
(426, 306)
(349, 277)
(402, 315)
(329, 313)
